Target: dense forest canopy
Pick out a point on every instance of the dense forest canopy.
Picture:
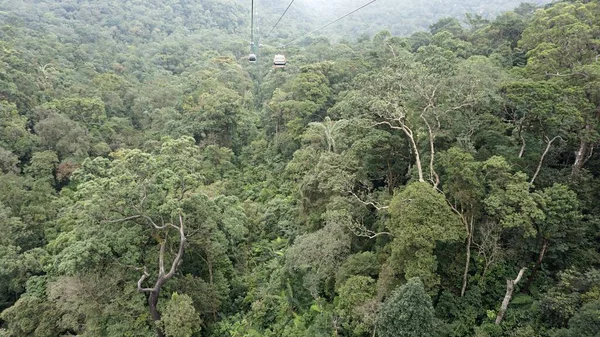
(438, 177)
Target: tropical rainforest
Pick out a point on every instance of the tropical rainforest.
(437, 178)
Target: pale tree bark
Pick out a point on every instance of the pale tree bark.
(510, 287)
(392, 49)
(417, 156)
(581, 156)
(399, 123)
(468, 222)
(411, 138)
(336, 326)
(369, 203)
(523, 144)
(539, 167)
(433, 176)
(163, 276)
(430, 97)
(469, 229)
(467, 218)
(360, 229)
(488, 247)
(522, 151)
(329, 129)
(586, 149)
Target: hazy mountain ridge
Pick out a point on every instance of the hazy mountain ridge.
(400, 17)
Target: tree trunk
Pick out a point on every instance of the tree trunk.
(580, 158)
(163, 276)
(539, 167)
(523, 144)
(335, 327)
(435, 179)
(537, 264)
(510, 287)
(210, 269)
(469, 228)
(152, 303)
(467, 263)
(410, 135)
(411, 138)
(522, 151)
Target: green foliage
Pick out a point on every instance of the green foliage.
(32, 316)
(510, 200)
(179, 317)
(318, 255)
(364, 264)
(356, 305)
(420, 218)
(586, 322)
(306, 195)
(407, 312)
(14, 135)
(66, 137)
(545, 38)
(562, 301)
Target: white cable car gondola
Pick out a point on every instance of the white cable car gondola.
(279, 61)
(252, 58)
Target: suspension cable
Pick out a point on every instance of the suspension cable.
(329, 24)
(281, 17)
(252, 24)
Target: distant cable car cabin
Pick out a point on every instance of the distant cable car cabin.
(252, 58)
(279, 61)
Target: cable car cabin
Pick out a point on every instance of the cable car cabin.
(279, 61)
(252, 58)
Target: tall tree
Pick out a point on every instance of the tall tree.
(562, 43)
(420, 218)
(139, 197)
(407, 312)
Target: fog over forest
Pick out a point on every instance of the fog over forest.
(400, 17)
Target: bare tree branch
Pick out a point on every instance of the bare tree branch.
(162, 278)
(539, 167)
(469, 224)
(510, 286)
(179, 257)
(409, 133)
(144, 276)
(369, 203)
(161, 256)
(153, 223)
(136, 217)
(360, 230)
(488, 247)
(122, 219)
(392, 49)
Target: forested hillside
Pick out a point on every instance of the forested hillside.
(155, 183)
(400, 17)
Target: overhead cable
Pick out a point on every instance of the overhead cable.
(329, 24)
(281, 17)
